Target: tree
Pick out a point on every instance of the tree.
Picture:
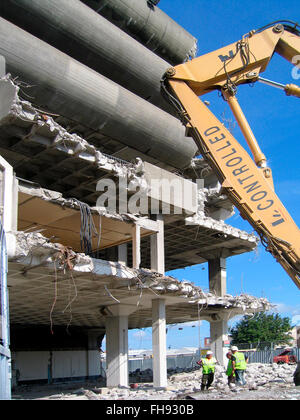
(262, 327)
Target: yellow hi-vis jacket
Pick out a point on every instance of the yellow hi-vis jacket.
(229, 370)
(208, 365)
(240, 362)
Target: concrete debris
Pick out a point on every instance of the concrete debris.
(165, 284)
(33, 249)
(264, 382)
(200, 219)
(92, 100)
(55, 197)
(32, 244)
(43, 129)
(55, 136)
(211, 194)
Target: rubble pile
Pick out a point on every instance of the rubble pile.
(260, 378)
(264, 381)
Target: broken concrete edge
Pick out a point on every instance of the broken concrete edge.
(46, 131)
(54, 197)
(214, 194)
(33, 249)
(61, 139)
(200, 219)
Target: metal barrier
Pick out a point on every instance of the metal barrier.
(266, 356)
(173, 362)
(189, 361)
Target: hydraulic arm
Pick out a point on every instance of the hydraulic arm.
(247, 182)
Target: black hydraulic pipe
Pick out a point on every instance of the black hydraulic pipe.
(64, 86)
(150, 26)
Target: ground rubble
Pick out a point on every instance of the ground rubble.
(264, 382)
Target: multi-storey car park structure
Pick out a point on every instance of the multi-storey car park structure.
(81, 103)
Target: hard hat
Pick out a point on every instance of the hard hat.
(209, 352)
(234, 348)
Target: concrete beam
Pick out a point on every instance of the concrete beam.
(150, 26)
(173, 193)
(64, 86)
(78, 31)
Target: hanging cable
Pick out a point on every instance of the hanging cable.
(55, 299)
(87, 227)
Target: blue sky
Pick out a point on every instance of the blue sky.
(274, 118)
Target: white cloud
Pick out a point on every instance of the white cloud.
(139, 334)
(283, 308)
(296, 320)
(292, 311)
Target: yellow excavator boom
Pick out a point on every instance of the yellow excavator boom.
(247, 182)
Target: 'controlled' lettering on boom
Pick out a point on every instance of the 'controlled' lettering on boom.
(240, 170)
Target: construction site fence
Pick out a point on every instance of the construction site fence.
(264, 352)
(189, 361)
(173, 362)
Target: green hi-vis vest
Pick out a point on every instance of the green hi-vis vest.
(208, 365)
(229, 368)
(240, 362)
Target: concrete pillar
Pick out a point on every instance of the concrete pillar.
(117, 351)
(159, 343)
(218, 334)
(136, 246)
(217, 276)
(157, 245)
(122, 253)
(8, 218)
(218, 328)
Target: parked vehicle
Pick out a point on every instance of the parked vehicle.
(287, 356)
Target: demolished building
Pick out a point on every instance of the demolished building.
(79, 107)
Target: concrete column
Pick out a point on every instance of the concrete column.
(218, 328)
(122, 253)
(8, 218)
(218, 334)
(157, 245)
(136, 246)
(117, 351)
(217, 276)
(159, 343)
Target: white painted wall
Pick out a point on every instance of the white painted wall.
(33, 365)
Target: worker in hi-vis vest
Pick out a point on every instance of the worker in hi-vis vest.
(229, 371)
(208, 364)
(239, 365)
